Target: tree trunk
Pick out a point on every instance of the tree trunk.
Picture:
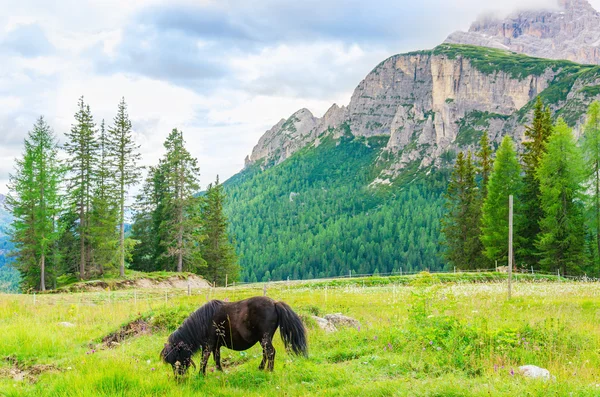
(122, 235)
(43, 273)
(81, 244)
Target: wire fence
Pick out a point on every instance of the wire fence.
(164, 295)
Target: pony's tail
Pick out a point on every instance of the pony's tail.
(291, 329)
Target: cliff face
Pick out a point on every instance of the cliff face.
(432, 102)
(570, 32)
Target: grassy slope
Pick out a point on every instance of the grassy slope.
(440, 340)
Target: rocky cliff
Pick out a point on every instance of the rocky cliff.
(572, 31)
(439, 101)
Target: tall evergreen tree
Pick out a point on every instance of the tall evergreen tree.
(147, 228)
(125, 155)
(460, 225)
(181, 205)
(561, 176)
(217, 250)
(591, 148)
(485, 163)
(505, 180)
(103, 217)
(82, 149)
(35, 203)
(534, 147)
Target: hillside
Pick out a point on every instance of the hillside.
(361, 188)
(9, 277)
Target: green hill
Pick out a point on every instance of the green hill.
(315, 215)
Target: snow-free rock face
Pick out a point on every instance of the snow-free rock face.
(570, 31)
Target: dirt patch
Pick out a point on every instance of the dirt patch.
(180, 281)
(19, 371)
(135, 328)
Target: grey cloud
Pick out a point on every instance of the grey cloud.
(27, 40)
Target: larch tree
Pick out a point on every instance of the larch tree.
(561, 175)
(591, 149)
(537, 136)
(505, 180)
(125, 157)
(35, 203)
(82, 149)
(217, 249)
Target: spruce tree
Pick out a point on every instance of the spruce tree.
(460, 225)
(104, 211)
(82, 149)
(181, 205)
(534, 147)
(35, 203)
(125, 156)
(505, 180)
(591, 148)
(485, 163)
(217, 250)
(561, 175)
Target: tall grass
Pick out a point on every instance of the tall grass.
(418, 340)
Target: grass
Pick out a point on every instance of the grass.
(421, 339)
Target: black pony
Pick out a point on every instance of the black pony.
(237, 326)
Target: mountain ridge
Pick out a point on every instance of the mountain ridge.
(434, 101)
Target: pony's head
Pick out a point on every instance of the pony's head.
(179, 355)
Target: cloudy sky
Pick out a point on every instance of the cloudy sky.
(223, 71)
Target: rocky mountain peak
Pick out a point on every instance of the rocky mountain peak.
(571, 32)
(576, 5)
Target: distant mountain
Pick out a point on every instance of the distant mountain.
(433, 102)
(572, 31)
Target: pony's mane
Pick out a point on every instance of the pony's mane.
(194, 330)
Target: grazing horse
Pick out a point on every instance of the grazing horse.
(237, 326)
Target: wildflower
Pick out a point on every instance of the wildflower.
(375, 337)
(495, 367)
(152, 369)
(431, 342)
(148, 362)
(389, 346)
(512, 372)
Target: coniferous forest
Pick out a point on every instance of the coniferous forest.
(69, 216)
(316, 214)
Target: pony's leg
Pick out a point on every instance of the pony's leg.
(205, 356)
(217, 356)
(268, 352)
(270, 356)
(264, 359)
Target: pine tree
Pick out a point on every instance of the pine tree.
(561, 176)
(460, 225)
(485, 163)
(591, 148)
(149, 254)
(125, 156)
(35, 203)
(181, 205)
(505, 180)
(534, 148)
(104, 211)
(217, 250)
(82, 148)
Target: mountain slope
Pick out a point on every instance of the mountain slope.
(361, 188)
(314, 215)
(570, 32)
(432, 102)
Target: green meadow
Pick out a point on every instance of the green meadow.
(417, 338)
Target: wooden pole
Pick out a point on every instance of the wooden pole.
(510, 243)
(265, 289)
(226, 276)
